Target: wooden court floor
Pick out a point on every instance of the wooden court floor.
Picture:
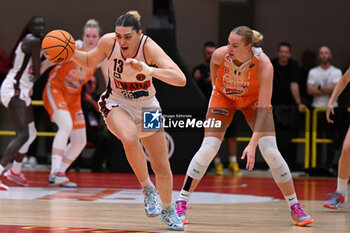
(106, 202)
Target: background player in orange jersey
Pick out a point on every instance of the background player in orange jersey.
(16, 93)
(242, 78)
(130, 89)
(62, 100)
(339, 197)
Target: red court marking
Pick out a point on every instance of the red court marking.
(307, 188)
(46, 229)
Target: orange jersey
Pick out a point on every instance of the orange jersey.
(70, 77)
(235, 87)
(63, 90)
(239, 84)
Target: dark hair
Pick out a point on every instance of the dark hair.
(284, 43)
(25, 31)
(209, 44)
(130, 19)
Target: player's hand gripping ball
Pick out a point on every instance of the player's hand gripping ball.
(58, 46)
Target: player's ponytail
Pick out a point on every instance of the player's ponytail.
(249, 36)
(130, 19)
(257, 36)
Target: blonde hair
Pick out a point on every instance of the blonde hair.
(135, 14)
(92, 23)
(249, 36)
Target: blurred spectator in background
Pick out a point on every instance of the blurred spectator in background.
(5, 61)
(320, 84)
(201, 73)
(308, 60)
(96, 132)
(285, 101)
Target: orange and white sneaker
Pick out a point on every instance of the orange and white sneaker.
(337, 201)
(17, 178)
(298, 215)
(3, 187)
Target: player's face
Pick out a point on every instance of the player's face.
(128, 40)
(91, 85)
(207, 53)
(90, 38)
(325, 54)
(37, 27)
(283, 53)
(236, 47)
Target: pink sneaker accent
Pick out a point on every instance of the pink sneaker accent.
(181, 207)
(298, 215)
(3, 187)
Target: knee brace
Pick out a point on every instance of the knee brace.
(76, 145)
(201, 160)
(279, 168)
(65, 125)
(32, 136)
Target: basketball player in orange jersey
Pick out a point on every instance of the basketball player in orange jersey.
(61, 96)
(130, 55)
(15, 95)
(339, 197)
(242, 78)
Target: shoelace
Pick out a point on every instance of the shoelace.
(21, 175)
(333, 195)
(299, 211)
(150, 199)
(181, 209)
(173, 217)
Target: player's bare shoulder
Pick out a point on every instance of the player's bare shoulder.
(219, 54)
(107, 42)
(264, 60)
(152, 50)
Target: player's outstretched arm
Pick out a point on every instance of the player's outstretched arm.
(97, 55)
(166, 71)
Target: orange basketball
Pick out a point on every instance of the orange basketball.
(58, 46)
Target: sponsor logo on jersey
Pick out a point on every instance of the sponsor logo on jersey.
(62, 105)
(132, 86)
(140, 77)
(220, 111)
(234, 90)
(79, 114)
(135, 94)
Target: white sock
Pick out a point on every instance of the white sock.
(342, 185)
(291, 199)
(184, 196)
(147, 182)
(166, 205)
(233, 158)
(217, 160)
(1, 169)
(16, 167)
(64, 166)
(56, 161)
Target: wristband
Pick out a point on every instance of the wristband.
(147, 70)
